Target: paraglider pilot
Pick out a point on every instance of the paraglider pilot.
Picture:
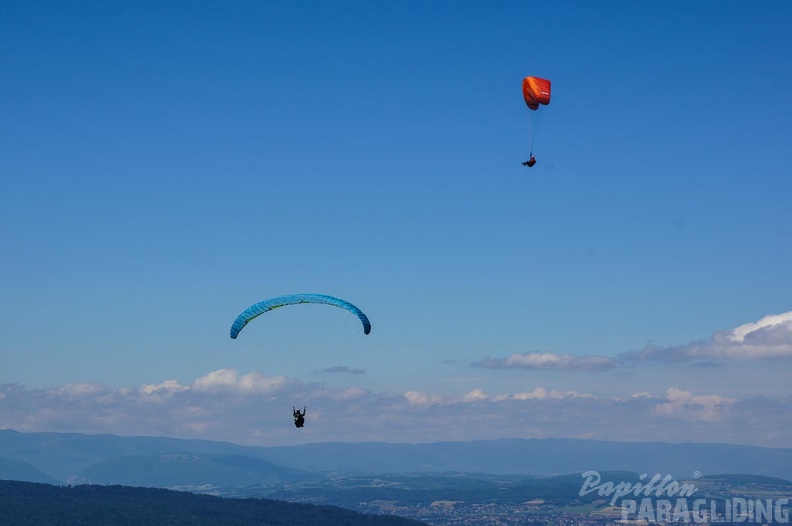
(299, 418)
(536, 92)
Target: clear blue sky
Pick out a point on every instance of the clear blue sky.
(165, 165)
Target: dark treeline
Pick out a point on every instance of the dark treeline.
(33, 504)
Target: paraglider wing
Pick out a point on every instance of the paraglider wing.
(294, 299)
(536, 91)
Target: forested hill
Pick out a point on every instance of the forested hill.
(34, 504)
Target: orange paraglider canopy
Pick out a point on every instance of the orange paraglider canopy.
(536, 91)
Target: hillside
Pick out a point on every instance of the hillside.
(11, 469)
(33, 504)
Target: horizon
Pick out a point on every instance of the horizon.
(386, 442)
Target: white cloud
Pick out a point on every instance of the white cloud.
(686, 405)
(479, 395)
(547, 360)
(642, 394)
(76, 390)
(768, 338)
(540, 393)
(167, 387)
(476, 395)
(773, 322)
(349, 393)
(421, 398)
(229, 381)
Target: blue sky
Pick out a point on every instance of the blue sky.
(164, 166)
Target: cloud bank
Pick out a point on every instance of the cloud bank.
(256, 409)
(770, 338)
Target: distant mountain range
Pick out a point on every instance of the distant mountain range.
(168, 462)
